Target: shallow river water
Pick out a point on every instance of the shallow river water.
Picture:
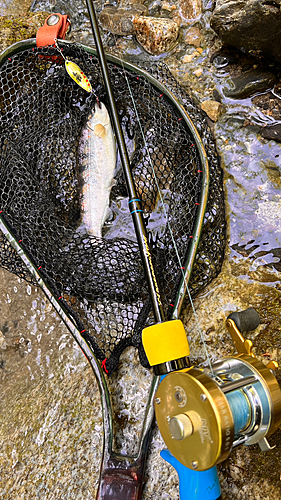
(50, 414)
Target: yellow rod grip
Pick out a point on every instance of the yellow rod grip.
(164, 342)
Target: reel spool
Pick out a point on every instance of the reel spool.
(203, 415)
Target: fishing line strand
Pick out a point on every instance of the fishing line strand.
(166, 215)
(168, 224)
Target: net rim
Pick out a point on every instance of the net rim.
(205, 177)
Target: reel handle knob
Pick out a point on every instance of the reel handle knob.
(184, 424)
(246, 320)
(243, 321)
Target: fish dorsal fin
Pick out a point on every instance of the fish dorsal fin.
(99, 130)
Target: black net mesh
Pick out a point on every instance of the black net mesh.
(101, 280)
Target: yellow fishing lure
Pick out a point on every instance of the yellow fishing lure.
(75, 72)
(77, 75)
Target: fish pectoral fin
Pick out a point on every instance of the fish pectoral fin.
(100, 130)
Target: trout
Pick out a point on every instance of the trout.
(98, 151)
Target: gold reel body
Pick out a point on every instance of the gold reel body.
(203, 415)
(194, 397)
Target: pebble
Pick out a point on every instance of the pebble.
(168, 6)
(249, 83)
(187, 58)
(212, 108)
(156, 35)
(189, 11)
(193, 37)
(120, 21)
(155, 7)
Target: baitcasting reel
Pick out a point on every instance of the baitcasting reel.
(203, 415)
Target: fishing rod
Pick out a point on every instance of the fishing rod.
(167, 342)
(168, 334)
(134, 201)
(202, 417)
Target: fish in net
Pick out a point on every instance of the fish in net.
(100, 279)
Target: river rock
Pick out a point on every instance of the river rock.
(212, 108)
(156, 35)
(188, 11)
(249, 83)
(120, 21)
(250, 25)
(193, 37)
(271, 132)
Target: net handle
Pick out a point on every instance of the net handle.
(107, 413)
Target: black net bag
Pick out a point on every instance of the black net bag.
(100, 280)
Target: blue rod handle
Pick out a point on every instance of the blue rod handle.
(195, 485)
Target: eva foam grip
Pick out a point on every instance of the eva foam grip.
(164, 342)
(246, 320)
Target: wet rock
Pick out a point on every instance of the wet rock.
(193, 37)
(249, 83)
(216, 95)
(120, 21)
(250, 25)
(269, 103)
(212, 108)
(155, 7)
(156, 35)
(13, 28)
(271, 132)
(188, 11)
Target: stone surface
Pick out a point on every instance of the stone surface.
(212, 108)
(188, 11)
(193, 37)
(250, 25)
(249, 83)
(13, 27)
(271, 132)
(120, 21)
(156, 35)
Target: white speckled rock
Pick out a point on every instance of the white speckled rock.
(156, 35)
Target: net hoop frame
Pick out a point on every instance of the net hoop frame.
(188, 264)
(139, 458)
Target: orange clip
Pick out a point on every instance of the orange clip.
(55, 26)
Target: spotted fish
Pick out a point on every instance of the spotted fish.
(98, 158)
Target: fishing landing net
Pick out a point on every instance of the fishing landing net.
(100, 280)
